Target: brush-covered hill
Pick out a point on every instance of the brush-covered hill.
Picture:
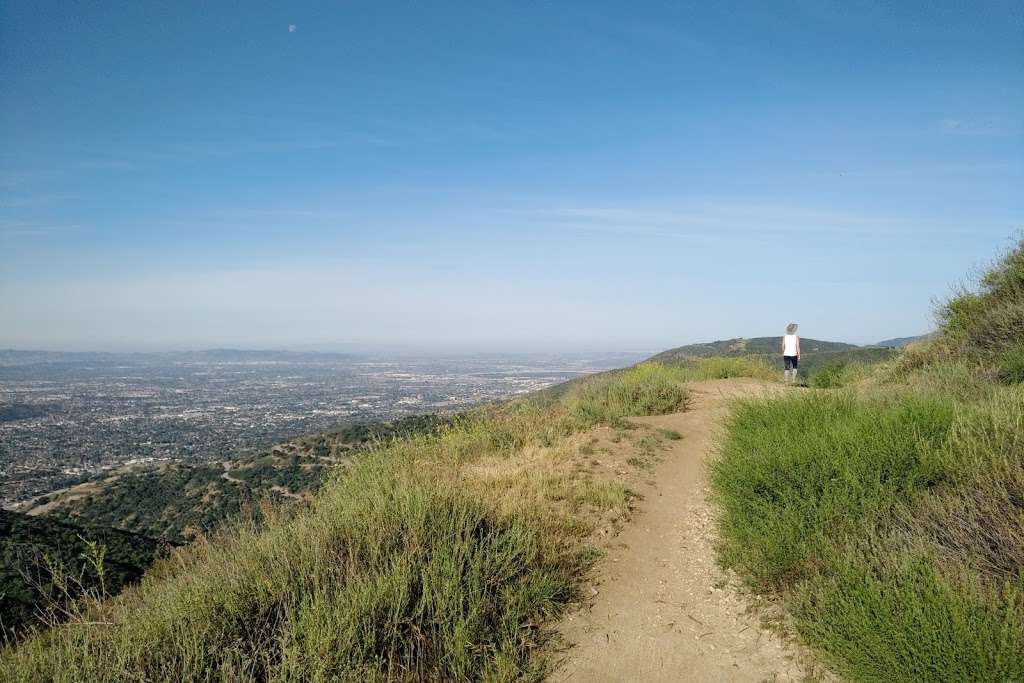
(183, 501)
(756, 346)
(44, 560)
(815, 354)
(134, 512)
(900, 342)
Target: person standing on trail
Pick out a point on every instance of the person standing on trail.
(791, 352)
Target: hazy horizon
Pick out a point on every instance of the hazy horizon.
(485, 176)
(399, 350)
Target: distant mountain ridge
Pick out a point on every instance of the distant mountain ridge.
(743, 346)
(900, 342)
(815, 354)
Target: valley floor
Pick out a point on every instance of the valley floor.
(663, 610)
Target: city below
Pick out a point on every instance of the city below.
(66, 418)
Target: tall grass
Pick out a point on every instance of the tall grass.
(982, 327)
(897, 618)
(796, 472)
(892, 523)
(840, 374)
(721, 367)
(408, 565)
(890, 519)
(648, 388)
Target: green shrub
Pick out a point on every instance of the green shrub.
(899, 620)
(976, 328)
(796, 473)
(975, 523)
(646, 389)
(892, 522)
(992, 319)
(960, 314)
(1010, 366)
(723, 367)
(961, 378)
(829, 377)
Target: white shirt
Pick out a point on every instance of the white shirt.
(789, 345)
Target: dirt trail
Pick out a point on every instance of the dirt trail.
(664, 611)
(227, 465)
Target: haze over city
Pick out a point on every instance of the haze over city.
(582, 175)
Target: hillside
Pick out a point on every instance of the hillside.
(30, 547)
(879, 514)
(815, 354)
(182, 501)
(127, 511)
(756, 346)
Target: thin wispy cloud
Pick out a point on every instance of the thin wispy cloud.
(16, 228)
(191, 152)
(709, 220)
(13, 178)
(922, 170)
(34, 201)
(108, 165)
(984, 127)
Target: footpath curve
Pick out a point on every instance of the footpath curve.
(663, 609)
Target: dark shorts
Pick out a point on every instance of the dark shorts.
(792, 362)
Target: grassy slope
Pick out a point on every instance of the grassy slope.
(437, 556)
(175, 502)
(890, 518)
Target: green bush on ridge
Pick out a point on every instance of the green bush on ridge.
(724, 367)
(839, 374)
(1010, 365)
(647, 389)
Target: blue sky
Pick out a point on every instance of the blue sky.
(478, 175)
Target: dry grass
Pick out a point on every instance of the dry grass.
(438, 556)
